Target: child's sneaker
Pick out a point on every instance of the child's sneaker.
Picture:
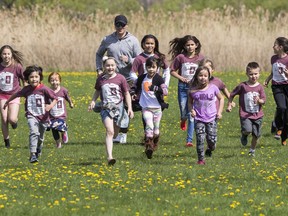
(65, 137)
(14, 125)
(278, 134)
(244, 140)
(201, 162)
(123, 138)
(33, 158)
(189, 144)
(111, 162)
(183, 125)
(251, 153)
(7, 143)
(38, 153)
(208, 152)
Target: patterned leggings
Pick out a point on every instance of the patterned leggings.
(208, 131)
(152, 117)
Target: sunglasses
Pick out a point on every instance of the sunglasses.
(120, 25)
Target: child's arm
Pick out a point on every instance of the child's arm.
(190, 105)
(94, 98)
(221, 105)
(229, 107)
(179, 77)
(227, 95)
(266, 82)
(8, 101)
(129, 104)
(48, 107)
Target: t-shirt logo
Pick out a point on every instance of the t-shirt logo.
(38, 102)
(59, 104)
(147, 85)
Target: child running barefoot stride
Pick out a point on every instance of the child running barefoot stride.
(58, 113)
(203, 108)
(186, 58)
(37, 108)
(152, 88)
(112, 87)
(251, 99)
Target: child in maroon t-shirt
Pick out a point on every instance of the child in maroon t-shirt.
(58, 113)
(37, 107)
(251, 99)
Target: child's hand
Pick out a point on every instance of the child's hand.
(229, 108)
(130, 113)
(233, 104)
(91, 106)
(183, 79)
(5, 105)
(193, 113)
(265, 83)
(71, 105)
(219, 116)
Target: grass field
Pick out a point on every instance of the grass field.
(76, 180)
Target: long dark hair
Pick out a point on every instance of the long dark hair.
(156, 49)
(282, 41)
(177, 45)
(16, 55)
(194, 81)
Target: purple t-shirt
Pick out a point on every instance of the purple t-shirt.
(140, 61)
(36, 99)
(278, 67)
(204, 103)
(10, 78)
(186, 66)
(59, 111)
(247, 107)
(112, 90)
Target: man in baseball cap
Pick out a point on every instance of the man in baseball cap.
(120, 19)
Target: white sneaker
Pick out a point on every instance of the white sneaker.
(117, 139)
(123, 138)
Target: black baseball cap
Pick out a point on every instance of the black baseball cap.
(120, 19)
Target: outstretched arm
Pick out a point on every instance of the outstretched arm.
(8, 101)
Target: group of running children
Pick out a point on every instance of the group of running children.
(199, 95)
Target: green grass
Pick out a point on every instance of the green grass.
(75, 180)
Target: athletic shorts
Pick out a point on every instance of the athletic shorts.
(251, 126)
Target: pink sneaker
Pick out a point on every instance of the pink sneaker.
(201, 162)
(183, 125)
(189, 144)
(65, 137)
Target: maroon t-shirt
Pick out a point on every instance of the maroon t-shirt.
(140, 61)
(186, 66)
(10, 78)
(247, 107)
(59, 111)
(36, 99)
(112, 90)
(221, 86)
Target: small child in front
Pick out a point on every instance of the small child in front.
(37, 108)
(152, 88)
(251, 99)
(202, 106)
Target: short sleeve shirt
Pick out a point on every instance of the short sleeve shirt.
(278, 67)
(247, 106)
(10, 78)
(36, 99)
(59, 111)
(113, 89)
(204, 103)
(186, 66)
